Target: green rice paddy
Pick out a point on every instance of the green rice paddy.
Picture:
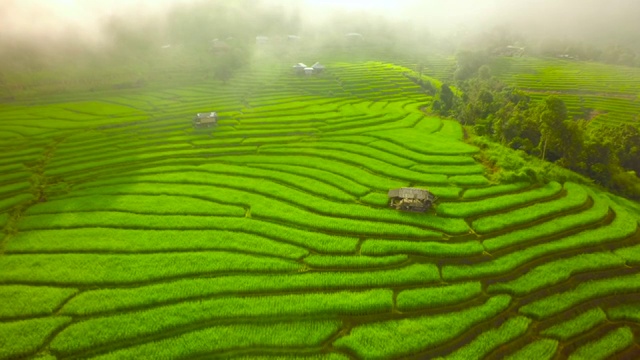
(129, 234)
(604, 94)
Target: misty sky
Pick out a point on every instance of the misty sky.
(556, 18)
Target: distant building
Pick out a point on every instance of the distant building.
(566, 56)
(317, 67)
(514, 51)
(308, 71)
(411, 199)
(205, 119)
(299, 68)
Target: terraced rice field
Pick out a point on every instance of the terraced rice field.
(601, 92)
(132, 235)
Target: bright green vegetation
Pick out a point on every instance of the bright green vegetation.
(577, 325)
(401, 337)
(491, 339)
(111, 269)
(610, 89)
(137, 241)
(238, 336)
(331, 356)
(501, 202)
(576, 197)
(495, 190)
(557, 271)
(20, 297)
(426, 248)
(468, 180)
(104, 300)
(9, 202)
(631, 254)
(625, 312)
(4, 218)
(134, 235)
(104, 330)
(605, 347)
(24, 337)
(543, 349)
(415, 299)
(319, 261)
(161, 204)
(557, 303)
(622, 226)
(597, 212)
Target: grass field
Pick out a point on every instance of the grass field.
(600, 92)
(128, 234)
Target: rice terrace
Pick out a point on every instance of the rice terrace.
(229, 201)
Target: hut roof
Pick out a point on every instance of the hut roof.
(410, 193)
(317, 65)
(299, 66)
(206, 115)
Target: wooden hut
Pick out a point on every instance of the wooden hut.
(411, 199)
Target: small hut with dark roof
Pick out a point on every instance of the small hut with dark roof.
(411, 199)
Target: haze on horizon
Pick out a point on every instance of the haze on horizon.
(585, 20)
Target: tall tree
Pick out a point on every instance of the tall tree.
(551, 123)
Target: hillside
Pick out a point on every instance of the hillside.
(130, 234)
(599, 92)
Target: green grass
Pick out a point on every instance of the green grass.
(118, 269)
(20, 297)
(104, 300)
(136, 241)
(630, 312)
(597, 212)
(469, 180)
(557, 271)
(4, 219)
(341, 262)
(222, 338)
(543, 349)
(426, 248)
(622, 226)
(21, 338)
(104, 330)
(464, 209)
(426, 298)
(631, 254)
(494, 190)
(594, 289)
(605, 347)
(10, 202)
(404, 337)
(577, 325)
(576, 197)
(274, 201)
(492, 339)
(270, 237)
(66, 222)
(146, 204)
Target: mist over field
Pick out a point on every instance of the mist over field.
(95, 25)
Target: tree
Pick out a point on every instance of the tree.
(551, 123)
(444, 100)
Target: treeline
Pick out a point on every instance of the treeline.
(608, 154)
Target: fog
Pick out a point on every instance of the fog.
(42, 33)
